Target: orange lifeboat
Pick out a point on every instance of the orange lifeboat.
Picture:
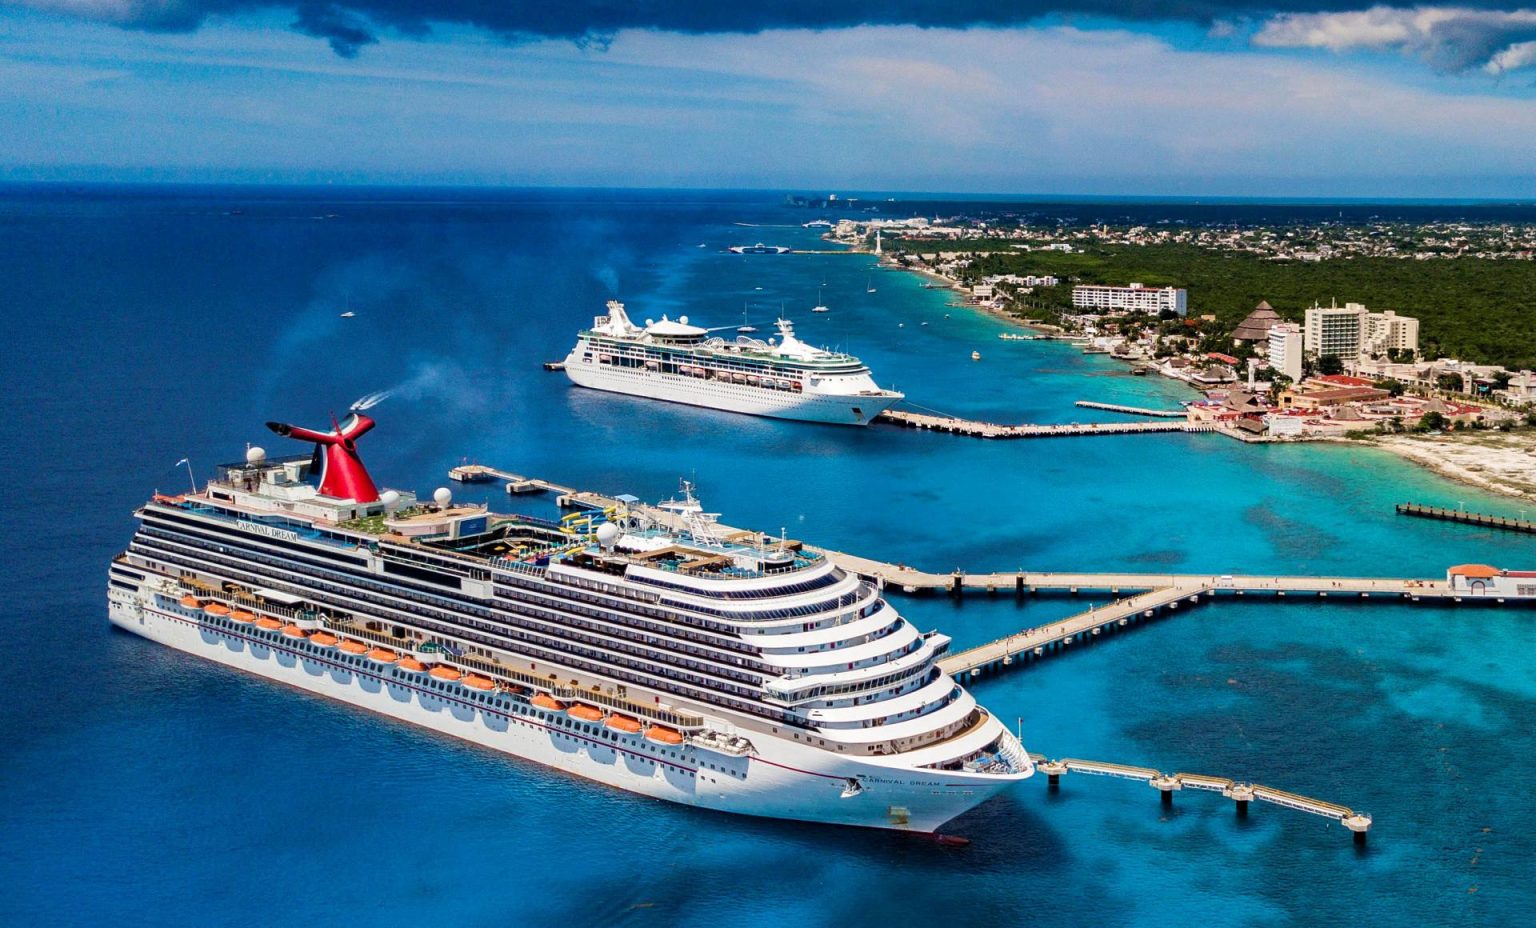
(324, 639)
(411, 665)
(293, 631)
(191, 602)
(478, 683)
(663, 735)
(354, 647)
(446, 673)
(217, 609)
(269, 623)
(243, 617)
(623, 723)
(383, 656)
(546, 701)
(585, 713)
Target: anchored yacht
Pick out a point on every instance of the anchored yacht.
(642, 648)
(672, 360)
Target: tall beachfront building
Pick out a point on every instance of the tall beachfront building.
(1351, 330)
(1134, 298)
(1388, 331)
(1285, 349)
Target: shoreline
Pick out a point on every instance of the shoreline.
(1505, 463)
(1513, 476)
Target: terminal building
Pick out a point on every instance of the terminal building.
(1136, 298)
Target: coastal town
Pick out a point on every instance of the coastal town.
(1336, 371)
(1317, 242)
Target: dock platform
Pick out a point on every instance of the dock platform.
(1134, 410)
(1166, 784)
(1467, 518)
(975, 429)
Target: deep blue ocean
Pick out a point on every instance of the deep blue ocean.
(145, 787)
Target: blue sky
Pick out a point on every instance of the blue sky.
(1379, 102)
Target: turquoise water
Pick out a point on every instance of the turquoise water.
(146, 787)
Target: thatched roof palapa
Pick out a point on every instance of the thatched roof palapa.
(1256, 327)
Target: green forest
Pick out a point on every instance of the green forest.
(1468, 308)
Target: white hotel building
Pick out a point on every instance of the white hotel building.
(1285, 349)
(1134, 298)
(1351, 330)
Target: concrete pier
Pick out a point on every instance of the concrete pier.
(1133, 410)
(974, 429)
(1166, 784)
(1467, 518)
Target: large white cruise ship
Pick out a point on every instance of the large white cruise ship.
(671, 360)
(638, 648)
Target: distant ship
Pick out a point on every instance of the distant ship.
(759, 249)
(672, 360)
(640, 648)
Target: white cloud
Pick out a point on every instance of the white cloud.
(1038, 110)
(1450, 38)
(1517, 56)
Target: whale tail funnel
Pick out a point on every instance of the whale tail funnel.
(342, 474)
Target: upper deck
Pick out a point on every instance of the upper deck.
(276, 498)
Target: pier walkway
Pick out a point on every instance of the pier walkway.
(1133, 410)
(974, 429)
(1035, 643)
(1240, 793)
(1467, 518)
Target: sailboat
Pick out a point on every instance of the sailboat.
(869, 285)
(820, 307)
(745, 327)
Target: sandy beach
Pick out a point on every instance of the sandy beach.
(1502, 462)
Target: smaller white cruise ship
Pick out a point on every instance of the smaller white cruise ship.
(672, 360)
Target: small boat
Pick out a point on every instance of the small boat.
(217, 609)
(975, 356)
(623, 723)
(901, 325)
(585, 712)
(478, 683)
(820, 306)
(268, 623)
(348, 314)
(293, 631)
(191, 602)
(446, 673)
(354, 647)
(243, 617)
(411, 665)
(383, 656)
(323, 639)
(661, 734)
(746, 327)
(546, 701)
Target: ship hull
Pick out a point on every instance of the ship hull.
(731, 397)
(780, 780)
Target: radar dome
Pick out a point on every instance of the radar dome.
(607, 534)
(255, 455)
(651, 322)
(442, 496)
(390, 499)
(683, 319)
